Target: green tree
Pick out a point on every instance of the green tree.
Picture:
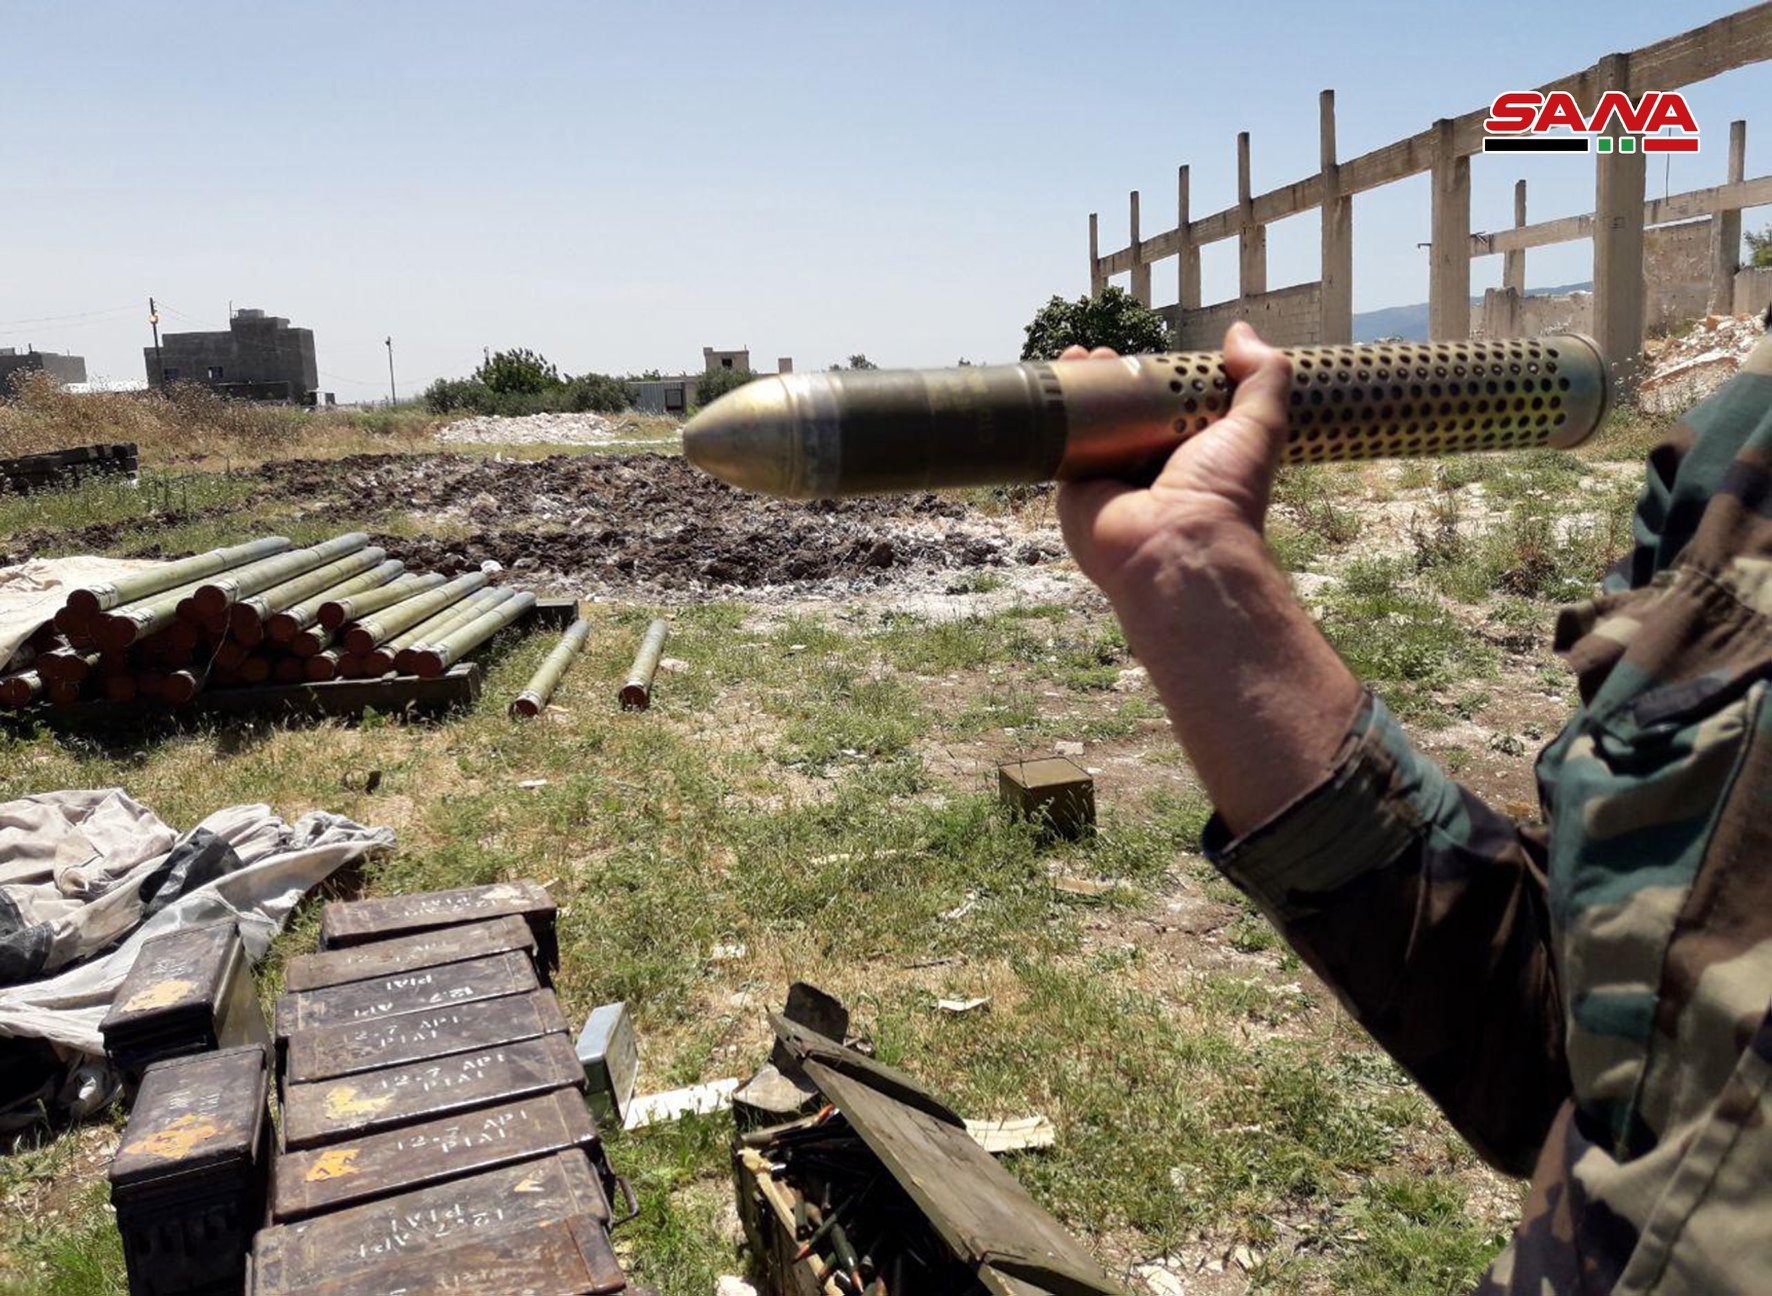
(857, 361)
(1115, 319)
(520, 370)
(715, 383)
(1759, 247)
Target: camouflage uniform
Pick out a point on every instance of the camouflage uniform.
(1587, 998)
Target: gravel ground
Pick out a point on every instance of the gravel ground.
(549, 429)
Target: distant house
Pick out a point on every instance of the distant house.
(259, 357)
(677, 394)
(65, 369)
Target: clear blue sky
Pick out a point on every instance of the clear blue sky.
(618, 185)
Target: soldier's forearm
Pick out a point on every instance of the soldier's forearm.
(1257, 697)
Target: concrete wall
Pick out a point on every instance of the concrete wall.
(1676, 274)
(258, 350)
(1753, 290)
(1504, 313)
(1284, 317)
(64, 369)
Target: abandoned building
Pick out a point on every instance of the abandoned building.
(677, 394)
(64, 369)
(259, 357)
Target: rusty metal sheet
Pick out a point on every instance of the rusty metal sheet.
(408, 953)
(353, 1105)
(491, 977)
(189, 991)
(288, 1259)
(347, 923)
(381, 1165)
(351, 1047)
(562, 1258)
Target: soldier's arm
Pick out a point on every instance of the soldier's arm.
(1423, 908)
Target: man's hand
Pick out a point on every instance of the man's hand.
(1256, 695)
(1221, 477)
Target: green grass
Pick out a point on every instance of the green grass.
(818, 788)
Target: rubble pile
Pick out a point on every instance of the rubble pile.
(1683, 370)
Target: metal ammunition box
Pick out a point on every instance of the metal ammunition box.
(562, 1258)
(1052, 792)
(188, 1180)
(288, 1259)
(370, 1101)
(190, 991)
(611, 1059)
(344, 924)
(381, 1165)
(346, 1049)
(409, 953)
(403, 992)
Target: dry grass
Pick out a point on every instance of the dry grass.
(191, 425)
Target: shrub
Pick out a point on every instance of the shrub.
(596, 392)
(715, 383)
(1115, 319)
(518, 370)
(458, 396)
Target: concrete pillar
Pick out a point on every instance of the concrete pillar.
(1097, 280)
(1187, 256)
(1336, 327)
(1725, 230)
(1618, 244)
(1513, 264)
(1449, 256)
(1251, 238)
(1141, 270)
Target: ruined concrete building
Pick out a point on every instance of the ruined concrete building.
(64, 369)
(259, 357)
(677, 394)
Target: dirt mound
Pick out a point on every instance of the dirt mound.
(654, 521)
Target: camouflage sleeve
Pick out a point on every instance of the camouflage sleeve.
(1426, 911)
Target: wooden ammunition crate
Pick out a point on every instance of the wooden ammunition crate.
(418, 990)
(188, 1180)
(371, 1101)
(560, 1258)
(410, 953)
(189, 991)
(346, 1049)
(347, 923)
(289, 1259)
(383, 1165)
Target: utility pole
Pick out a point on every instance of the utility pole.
(392, 398)
(159, 369)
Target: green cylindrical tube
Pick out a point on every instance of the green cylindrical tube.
(215, 597)
(336, 612)
(542, 684)
(260, 607)
(434, 659)
(636, 693)
(121, 626)
(85, 604)
(385, 625)
(400, 651)
(291, 621)
(21, 689)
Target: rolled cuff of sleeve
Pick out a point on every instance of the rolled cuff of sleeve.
(1375, 803)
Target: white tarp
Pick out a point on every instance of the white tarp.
(65, 856)
(33, 592)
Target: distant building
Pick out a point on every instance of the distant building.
(64, 369)
(259, 358)
(676, 394)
